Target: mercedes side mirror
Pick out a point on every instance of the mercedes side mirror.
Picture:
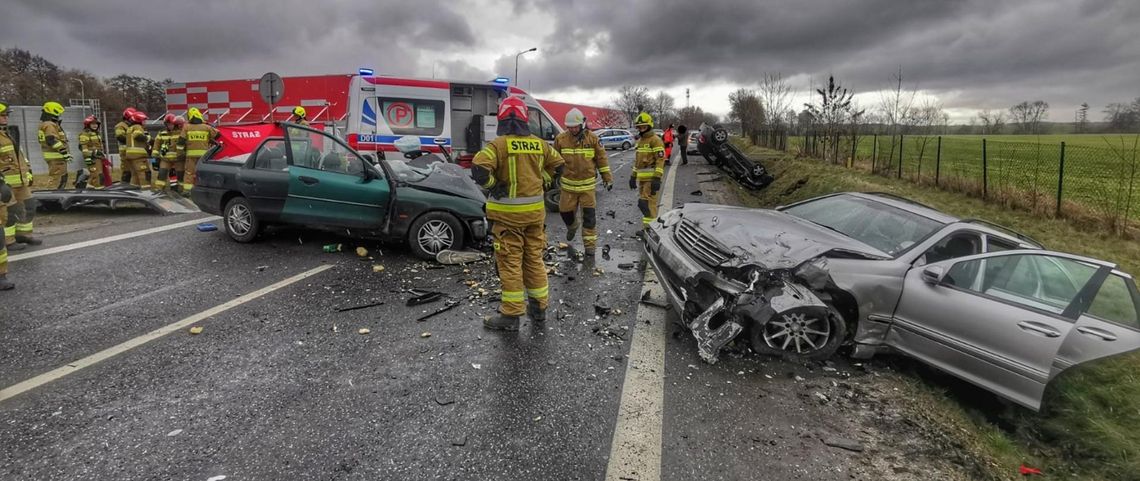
(933, 274)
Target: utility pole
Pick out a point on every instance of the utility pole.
(686, 98)
(516, 79)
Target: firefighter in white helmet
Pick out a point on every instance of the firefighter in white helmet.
(585, 159)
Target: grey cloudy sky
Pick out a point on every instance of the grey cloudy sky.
(970, 54)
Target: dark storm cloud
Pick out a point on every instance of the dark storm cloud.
(214, 36)
(983, 52)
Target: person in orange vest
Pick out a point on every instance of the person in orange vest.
(516, 167)
(667, 136)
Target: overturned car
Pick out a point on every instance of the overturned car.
(713, 145)
(971, 298)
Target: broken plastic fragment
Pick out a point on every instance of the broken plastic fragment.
(377, 268)
(477, 366)
(362, 252)
(450, 257)
(425, 335)
(364, 330)
(196, 330)
(174, 432)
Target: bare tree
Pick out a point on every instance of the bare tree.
(661, 107)
(924, 121)
(775, 95)
(1082, 119)
(992, 122)
(1122, 117)
(694, 116)
(631, 100)
(745, 107)
(1028, 116)
(895, 105)
(835, 108)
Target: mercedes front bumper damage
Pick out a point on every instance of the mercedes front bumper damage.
(718, 297)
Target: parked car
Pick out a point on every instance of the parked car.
(616, 138)
(295, 175)
(968, 297)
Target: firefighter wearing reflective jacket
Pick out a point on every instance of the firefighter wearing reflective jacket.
(53, 143)
(196, 139)
(121, 139)
(585, 158)
(18, 208)
(648, 168)
(91, 145)
(300, 116)
(169, 151)
(515, 168)
(137, 157)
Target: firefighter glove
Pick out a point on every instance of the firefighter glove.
(632, 183)
(5, 193)
(608, 185)
(499, 191)
(656, 185)
(122, 139)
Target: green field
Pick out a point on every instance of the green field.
(1099, 182)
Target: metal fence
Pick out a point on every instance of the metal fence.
(1049, 179)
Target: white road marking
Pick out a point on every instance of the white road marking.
(95, 242)
(57, 373)
(635, 452)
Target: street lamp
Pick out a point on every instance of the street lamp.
(82, 92)
(532, 49)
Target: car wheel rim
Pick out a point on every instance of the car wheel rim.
(797, 332)
(721, 136)
(435, 236)
(240, 220)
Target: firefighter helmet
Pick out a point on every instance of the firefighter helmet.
(168, 119)
(127, 113)
(138, 117)
(643, 119)
(53, 109)
(91, 119)
(179, 121)
(299, 111)
(574, 118)
(513, 107)
(194, 113)
(3, 108)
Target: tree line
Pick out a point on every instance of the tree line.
(29, 79)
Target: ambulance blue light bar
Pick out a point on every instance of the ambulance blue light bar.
(367, 72)
(501, 84)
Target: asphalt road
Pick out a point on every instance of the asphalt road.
(283, 385)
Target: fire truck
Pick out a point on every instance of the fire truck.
(371, 112)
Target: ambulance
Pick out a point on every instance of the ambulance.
(371, 111)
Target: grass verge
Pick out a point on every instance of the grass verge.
(1090, 429)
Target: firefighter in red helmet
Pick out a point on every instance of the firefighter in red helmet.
(91, 145)
(168, 150)
(121, 139)
(516, 168)
(138, 149)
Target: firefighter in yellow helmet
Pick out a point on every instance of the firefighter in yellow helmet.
(299, 116)
(169, 151)
(53, 143)
(18, 209)
(197, 136)
(121, 139)
(585, 159)
(515, 168)
(137, 157)
(648, 168)
(91, 145)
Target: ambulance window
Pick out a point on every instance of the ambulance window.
(410, 116)
(540, 125)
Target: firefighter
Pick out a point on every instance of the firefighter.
(6, 197)
(585, 158)
(515, 168)
(299, 116)
(168, 150)
(91, 145)
(16, 174)
(667, 137)
(53, 143)
(196, 138)
(137, 156)
(121, 138)
(648, 168)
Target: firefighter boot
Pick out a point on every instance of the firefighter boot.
(536, 313)
(5, 284)
(16, 246)
(29, 240)
(571, 221)
(502, 322)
